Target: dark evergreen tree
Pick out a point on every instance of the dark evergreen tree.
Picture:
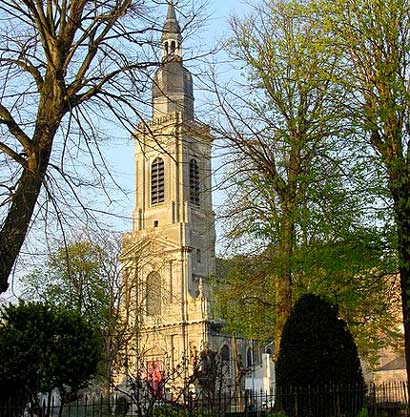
(318, 362)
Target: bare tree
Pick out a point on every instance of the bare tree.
(66, 67)
(216, 389)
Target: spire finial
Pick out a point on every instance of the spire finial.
(171, 11)
(171, 35)
(171, 26)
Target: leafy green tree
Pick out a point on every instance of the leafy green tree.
(245, 297)
(85, 276)
(317, 351)
(358, 274)
(278, 123)
(342, 273)
(373, 38)
(295, 209)
(74, 277)
(44, 348)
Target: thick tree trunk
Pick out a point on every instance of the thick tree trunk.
(289, 195)
(284, 293)
(399, 185)
(401, 196)
(51, 110)
(283, 308)
(17, 222)
(405, 299)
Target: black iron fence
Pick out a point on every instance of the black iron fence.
(386, 400)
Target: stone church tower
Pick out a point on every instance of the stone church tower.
(170, 254)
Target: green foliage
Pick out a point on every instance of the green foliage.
(350, 272)
(244, 297)
(316, 347)
(356, 274)
(372, 38)
(317, 350)
(75, 277)
(364, 412)
(308, 204)
(45, 348)
(85, 276)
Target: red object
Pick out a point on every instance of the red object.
(154, 376)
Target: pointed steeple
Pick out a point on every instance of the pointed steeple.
(171, 26)
(171, 36)
(172, 89)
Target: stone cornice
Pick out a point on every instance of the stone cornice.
(190, 127)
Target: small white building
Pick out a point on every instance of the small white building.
(262, 377)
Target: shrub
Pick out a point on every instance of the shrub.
(318, 370)
(44, 348)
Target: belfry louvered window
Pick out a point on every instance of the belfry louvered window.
(194, 182)
(157, 181)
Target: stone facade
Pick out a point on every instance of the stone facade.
(169, 256)
(178, 229)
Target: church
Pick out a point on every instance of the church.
(169, 256)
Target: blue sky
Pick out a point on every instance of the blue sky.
(220, 10)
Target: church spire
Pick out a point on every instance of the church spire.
(171, 36)
(172, 89)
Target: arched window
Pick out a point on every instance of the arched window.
(249, 358)
(226, 360)
(194, 182)
(172, 47)
(157, 181)
(166, 49)
(225, 356)
(153, 294)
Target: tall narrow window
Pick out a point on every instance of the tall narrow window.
(225, 358)
(171, 283)
(249, 358)
(157, 181)
(194, 182)
(153, 294)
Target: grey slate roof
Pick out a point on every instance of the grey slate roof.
(172, 89)
(171, 26)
